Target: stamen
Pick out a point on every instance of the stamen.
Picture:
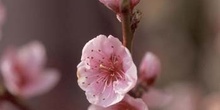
(103, 67)
(112, 70)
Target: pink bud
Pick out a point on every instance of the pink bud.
(23, 72)
(106, 71)
(114, 5)
(149, 68)
(128, 103)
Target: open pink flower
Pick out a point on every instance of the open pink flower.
(23, 71)
(128, 103)
(149, 68)
(106, 71)
(114, 5)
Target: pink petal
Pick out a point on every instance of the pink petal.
(32, 56)
(156, 99)
(107, 98)
(44, 83)
(8, 72)
(111, 4)
(129, 82)
(128, 103)
(114, 5)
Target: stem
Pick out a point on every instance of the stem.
(14, 100)
(126, 24)
(139, 90)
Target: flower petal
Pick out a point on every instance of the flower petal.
(8, 72)
(32, 56)
(128, 103)
(45, 82)
(156, 98)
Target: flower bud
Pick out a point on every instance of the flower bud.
(149, 68)
(114, 5)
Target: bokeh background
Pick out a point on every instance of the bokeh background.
(184, 34)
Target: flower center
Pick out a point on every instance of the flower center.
(113, 69)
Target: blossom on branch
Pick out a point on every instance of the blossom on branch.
(106, 71)
(23, 72)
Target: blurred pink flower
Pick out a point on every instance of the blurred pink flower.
(128, 103)
(4, 105)
(114, 5)
(211, 102)
(23, 71)
(106, 71)
(185, 96)
(155, 98)
(149, 68)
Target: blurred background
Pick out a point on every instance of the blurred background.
(184, 34)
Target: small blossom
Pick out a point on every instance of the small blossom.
(106, 71)
(149, 68)
(6, 106)
(211, 102)
(114, 5)
(128, 103)
(23, 71)
(184, 96)
(156, 99)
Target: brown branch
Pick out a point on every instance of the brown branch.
(14, 100)
(125, 14)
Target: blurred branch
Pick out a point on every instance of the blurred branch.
(5, 95)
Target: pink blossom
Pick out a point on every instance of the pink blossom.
(23, 71)
(4, 105)
(211, 102)
(155, 98)
(106, 71)
(149, 68)
(128, 103)
(114, 5)
(185, 96)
